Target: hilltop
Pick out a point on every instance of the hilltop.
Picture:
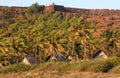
(104, 18)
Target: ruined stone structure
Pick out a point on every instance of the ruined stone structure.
(53, 8)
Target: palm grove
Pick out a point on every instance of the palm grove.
(33, 30)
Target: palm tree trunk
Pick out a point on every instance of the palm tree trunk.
(73, 47)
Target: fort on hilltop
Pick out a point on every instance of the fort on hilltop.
(102, 17)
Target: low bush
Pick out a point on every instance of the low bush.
(114, 60)
(100, 66)
(116, 63)
(115, 69)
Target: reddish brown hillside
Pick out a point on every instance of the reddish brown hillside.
(103, 18)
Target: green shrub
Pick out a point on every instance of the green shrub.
(114, 60)
(16, 68)
(100, 66)
(115, 69)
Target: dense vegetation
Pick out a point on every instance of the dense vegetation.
(35, 31)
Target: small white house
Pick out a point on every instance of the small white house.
(29, 60)
(100, 55)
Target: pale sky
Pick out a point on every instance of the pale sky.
(90, 4)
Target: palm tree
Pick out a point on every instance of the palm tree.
(111, 40)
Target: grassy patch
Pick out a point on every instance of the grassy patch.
(73, 66)
(16, 68)
(91, 65)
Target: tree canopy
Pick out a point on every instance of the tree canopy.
(52, 32)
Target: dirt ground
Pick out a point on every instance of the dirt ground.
(55, 74)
